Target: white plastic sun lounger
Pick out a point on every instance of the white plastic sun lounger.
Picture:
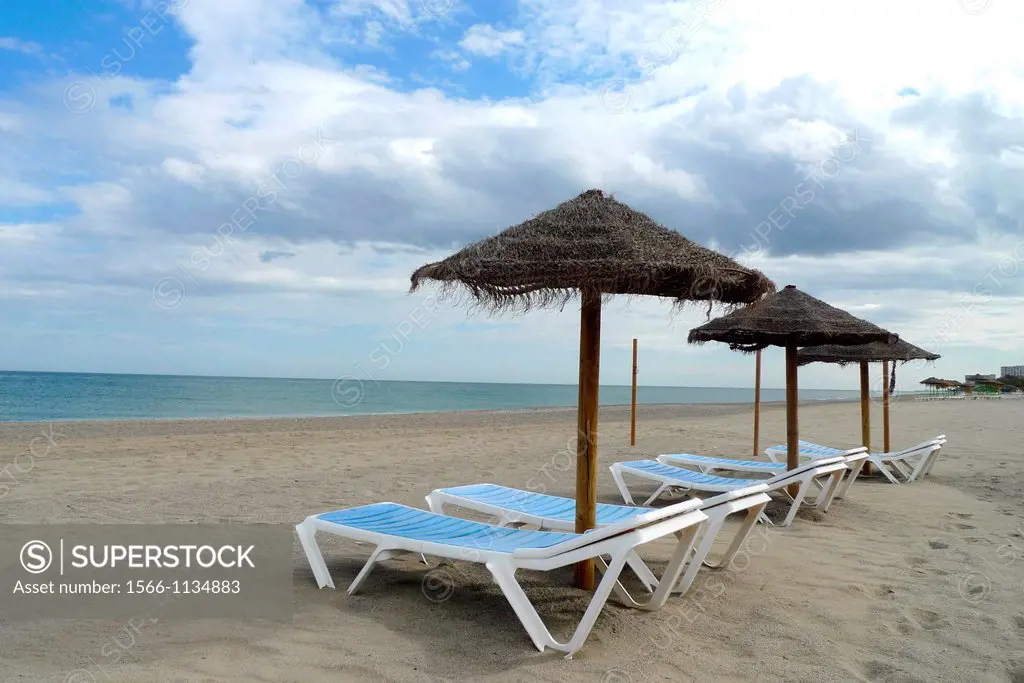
(398, 529)
(855, 458)
(669, 477)
(926, 468)
(909, 463)
(515, 507)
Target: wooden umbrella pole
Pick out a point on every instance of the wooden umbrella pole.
(632, 414)
(865, 405)
(586, 438)
(885, 406)
(757, 401)
(792, 421)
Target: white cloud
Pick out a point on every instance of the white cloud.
(17, 45)
(184, 171)
(484, 39)
(396, 10)
(17, 193)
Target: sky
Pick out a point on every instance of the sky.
(243, 187)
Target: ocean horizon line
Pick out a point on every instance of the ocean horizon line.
(407, 413)
(393, 381)
(27, 396)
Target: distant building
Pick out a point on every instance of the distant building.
(1012, 371)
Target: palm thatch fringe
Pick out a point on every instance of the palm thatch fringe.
(590, 243)
(875, 352)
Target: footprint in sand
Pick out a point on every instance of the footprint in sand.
(936, 544)
(886, 590)
(960, 515)
(1018, 621)
(924, 619)
(905, 626)
(877, 670)
(958, 526)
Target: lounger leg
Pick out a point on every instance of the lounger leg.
(882, 467)
(435, 504)
(801, 494)
(654, 496)
(604, 589)
(931, 462)
(307, 537)
(379, 554)
(903, 468)
(621, 484)
(749, 522)
(602, 566)
(642, 571)
(710, 533)
(922, 465)
(829, 493)
(855, 471)
(505, 576)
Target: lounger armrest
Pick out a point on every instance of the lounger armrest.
(594, 543)
(736, 504)
(735, 494)
(818, 462)
(821, 468)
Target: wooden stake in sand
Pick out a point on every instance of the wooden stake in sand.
(632, 413)
(885, 405)
(757, 401)
(586, 437)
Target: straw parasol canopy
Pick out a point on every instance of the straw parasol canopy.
(591, 243)
(942, 383)
(789, 318)
(876, 352)
(587, 247)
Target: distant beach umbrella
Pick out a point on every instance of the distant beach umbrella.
(790, 319)
(588, 247)
(937, 383)
(876, 352)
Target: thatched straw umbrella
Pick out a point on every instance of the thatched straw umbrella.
(937, 384)
(900, 351)
(789, 318)
(588, 247)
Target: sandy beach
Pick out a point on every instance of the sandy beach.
(911, 583)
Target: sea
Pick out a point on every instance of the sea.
(43, 396)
